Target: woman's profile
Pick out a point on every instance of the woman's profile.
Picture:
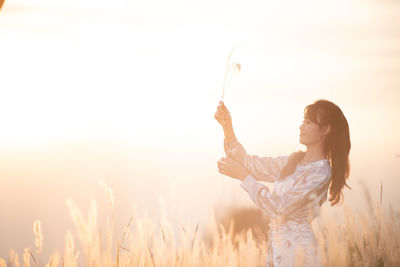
(301, 180)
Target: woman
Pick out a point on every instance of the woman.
(301, 180)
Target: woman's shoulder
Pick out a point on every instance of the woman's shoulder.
(322, 167)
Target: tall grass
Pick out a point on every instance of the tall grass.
(369, 238)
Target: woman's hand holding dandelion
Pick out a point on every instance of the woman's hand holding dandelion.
(224, 118)
(232, 168)
(233, 67)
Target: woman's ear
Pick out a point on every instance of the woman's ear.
(327, 129)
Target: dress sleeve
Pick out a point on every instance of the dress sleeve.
(309, 190)
(266, 169)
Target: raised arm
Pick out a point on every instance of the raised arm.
(266, 169)
(261, 168)
(309, 190)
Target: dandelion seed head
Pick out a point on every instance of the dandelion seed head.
(236, 67)
(233, 67)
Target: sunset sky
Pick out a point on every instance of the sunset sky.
(126, 91)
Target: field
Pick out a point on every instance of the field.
(369, 238)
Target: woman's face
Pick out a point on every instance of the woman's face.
(310, 133)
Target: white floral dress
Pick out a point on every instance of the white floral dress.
(293, 204)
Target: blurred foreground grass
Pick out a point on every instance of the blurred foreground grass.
(369, 238)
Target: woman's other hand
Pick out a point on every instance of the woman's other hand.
(222, 115)
(232, 168)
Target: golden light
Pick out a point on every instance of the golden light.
(124, 92)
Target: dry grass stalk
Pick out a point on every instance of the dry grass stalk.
(369, 238)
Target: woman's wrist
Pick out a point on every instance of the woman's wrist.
(244, 175)
(228, 131)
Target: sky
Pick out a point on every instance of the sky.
(126, 92)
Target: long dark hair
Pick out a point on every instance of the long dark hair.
(336, 146)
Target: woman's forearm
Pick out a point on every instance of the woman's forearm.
(228, 131)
